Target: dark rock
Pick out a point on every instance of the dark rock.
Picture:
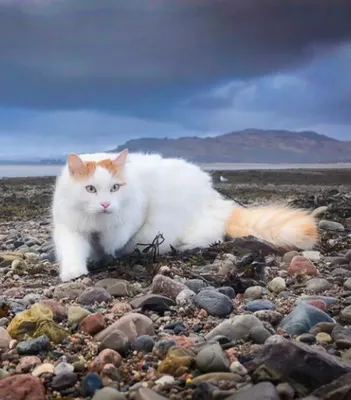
(196, 285)
(215, 303)
(258, 305)
(339, 389)
(259, 334)
(227, 291)
(90, 384)
(64, 381)
(303, 318)
(304, 367)
(153, 302)
(261, 391)
(144, 343)
(307, 338)
(342, 337)
(166, 286)
(33, 346)
(212, 359)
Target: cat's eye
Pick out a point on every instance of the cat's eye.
(90, 189)
(115, 187)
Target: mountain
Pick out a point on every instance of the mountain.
(249, 146)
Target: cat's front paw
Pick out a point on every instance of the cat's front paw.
(70, 274)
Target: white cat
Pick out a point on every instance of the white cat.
(130, 198)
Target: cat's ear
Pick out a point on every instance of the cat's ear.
(75, 164)
(121, 159)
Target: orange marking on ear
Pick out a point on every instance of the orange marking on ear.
(89, 167)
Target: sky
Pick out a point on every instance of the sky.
(87, 75)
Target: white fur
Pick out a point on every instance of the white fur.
(170, 196)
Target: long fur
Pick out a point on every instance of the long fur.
(155, 195)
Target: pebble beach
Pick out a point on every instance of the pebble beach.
(240, 320)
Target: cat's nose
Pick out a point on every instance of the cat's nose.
(105, 204)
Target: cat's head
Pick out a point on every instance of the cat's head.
(96, 185)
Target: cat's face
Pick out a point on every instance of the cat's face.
(97, 186)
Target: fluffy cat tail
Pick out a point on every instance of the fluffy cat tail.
(283, 226)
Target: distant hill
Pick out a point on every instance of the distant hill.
(249, 146)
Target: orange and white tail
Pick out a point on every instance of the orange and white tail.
(283, 226)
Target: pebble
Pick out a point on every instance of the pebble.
(64, 381)
(341, 336)
(195, 285)
(116, 340)
(212, 359)
(300, 265)
(90, 384)
(330, 226)
(228, 291)
(166, 286)
(323, 338)
(154, 302)
(5, 338)
(318, 285)
(236, 328)
(184, 297)
(68, 290)
(345, 315)
(63, 367)
(106, 356)
(116, 287)
(93, 324)
(277, 285)
(41, 369)
(253, 292)
(258, 305)
(108, 393)
(144, 343)
(303, 318)
(33, 346)
(133, 325)
(307, 338)
(22, 386)
(93, 295)
(214, 303)
(313, 256)
(76, 314)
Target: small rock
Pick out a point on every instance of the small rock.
(212, 359)
(228, 291)
(33, 346)
(63, 368)
(145, 393)
(253, 292)
(342, 336)
(143, 343)
(185, 297)
(59, 311)
(108, 393)
(23, 386)
(258, 305)
(116, 287)
(323, 338)
(93, 324)
(166, 286)
(106, 356)
(177, 362)
(93, 295)
(41, 369)
(313, 256)
(345, 315)
(195, 285)
(116, 340)
(330, 226)
(64, 381)
(300, 265)
(121, 308)
(215, 303)
(277, 285)
(153, 302)
(69, 290)
(76, 314)
(236, 328)
(27, 363)
(261, 391)
(307, 338)
(133, 325)
(90, 384)
(303, 318)
(318, 285)
(5, 338)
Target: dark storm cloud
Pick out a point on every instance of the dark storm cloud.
(106, 54)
